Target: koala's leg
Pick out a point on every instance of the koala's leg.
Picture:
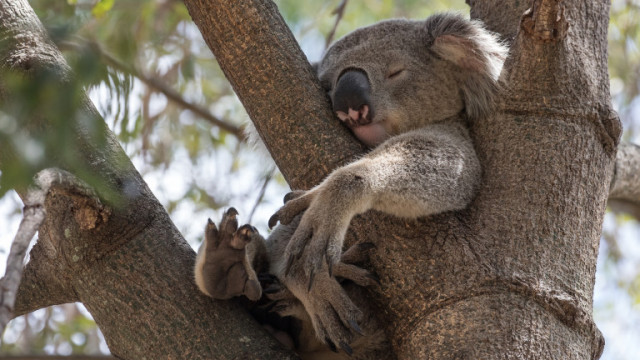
(223, 268)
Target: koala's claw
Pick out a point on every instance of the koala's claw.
(354, 325)
(375, 278)
(331, 345)
(311, 280)
(356, 274)
(346, 348)
(283, 301)
(273, 220)
(292, 195)
(267, 277)
(295, 203)
(272, 289)
(357, 253)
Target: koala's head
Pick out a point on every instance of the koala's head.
(399, 75)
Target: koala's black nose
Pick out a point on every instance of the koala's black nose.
(352, 98)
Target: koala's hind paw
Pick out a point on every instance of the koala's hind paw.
(334, 316)
(222, 267)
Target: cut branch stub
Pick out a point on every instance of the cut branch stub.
(61, 242)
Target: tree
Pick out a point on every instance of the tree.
(512, 275)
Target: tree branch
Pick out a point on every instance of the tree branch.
(171, 94)
(555, 74)
(42, 285)
(624, 195)
(339, 13)
(33, 216)
(121, 257)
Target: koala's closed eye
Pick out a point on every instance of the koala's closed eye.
(394, 72)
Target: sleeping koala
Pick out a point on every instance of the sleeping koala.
(407, 89)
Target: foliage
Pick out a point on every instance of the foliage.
(134, 56)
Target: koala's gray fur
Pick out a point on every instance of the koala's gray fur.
(407, 89)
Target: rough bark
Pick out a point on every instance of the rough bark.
(115, 250)
(505, 21)
(512, 276)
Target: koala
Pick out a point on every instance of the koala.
(226, 266)
(408, 90)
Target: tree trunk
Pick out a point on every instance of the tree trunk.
(510, 277)
(513, 275)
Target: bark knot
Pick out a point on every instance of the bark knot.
(545, 21)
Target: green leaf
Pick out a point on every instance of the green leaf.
(102, 7)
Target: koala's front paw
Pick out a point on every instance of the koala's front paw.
(316, 245)
(333, 315)
(222, 267)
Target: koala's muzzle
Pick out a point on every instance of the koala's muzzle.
(352, 98)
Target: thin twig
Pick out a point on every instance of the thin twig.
(339, 12)
(263, 189)
(163, 88)
(34, 214)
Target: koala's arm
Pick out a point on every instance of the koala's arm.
(419, 173)
(422, 172)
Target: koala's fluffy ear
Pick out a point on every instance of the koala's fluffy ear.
(476, 51)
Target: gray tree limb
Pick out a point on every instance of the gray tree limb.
(33, 216)
(625, 185)
(122, 257)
